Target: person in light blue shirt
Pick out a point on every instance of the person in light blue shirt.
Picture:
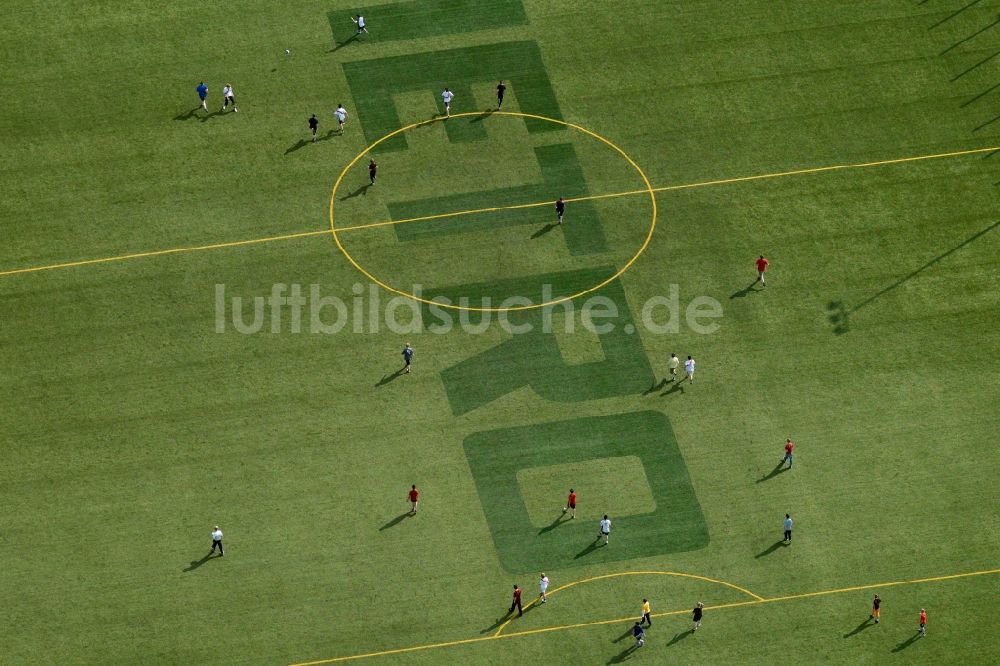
(203, 94)
(788, 528)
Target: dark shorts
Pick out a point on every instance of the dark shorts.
(202, 97)
(572, 505)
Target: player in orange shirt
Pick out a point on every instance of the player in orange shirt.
(761, 267)
(571, 504)
(923, 623)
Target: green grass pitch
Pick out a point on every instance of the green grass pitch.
(135, 414)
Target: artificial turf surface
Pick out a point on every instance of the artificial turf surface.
(131, 425)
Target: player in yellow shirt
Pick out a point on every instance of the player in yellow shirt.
(645, 613)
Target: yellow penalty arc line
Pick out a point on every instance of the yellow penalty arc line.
(594, 623)
(635, 573)
(665, 188)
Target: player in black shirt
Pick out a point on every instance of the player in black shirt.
(696, 616)
(313, 125)
(501, 89)
(560, 208)
(372, 170)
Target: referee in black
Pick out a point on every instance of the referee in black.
(313, 126)
(501, 89)
(560, 209)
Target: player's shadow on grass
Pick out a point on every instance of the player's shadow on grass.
(861, 627)
(680, 636)
(388, 378)
(220, 112)
(962, 41)
(344, 43)
(555, 523)
(197, 563)
(544, 230)
(986, 124)
(188, 115)
(361, 191)
(624, 654)
(395, 521)
(907, 643)
(774, 472)
(302, 143)
(839, 317)
(770, 549)
(749, 289)
(483, 116)
(628, 632)
(678, 386)
(656, 387)
(594, 545)
(496, 625)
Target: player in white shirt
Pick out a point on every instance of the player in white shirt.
(605, 529)
(341, 114)
(446, 97)
(360, 21)
(217, 542)
(227, 94)
(689, 369)
(543, 585)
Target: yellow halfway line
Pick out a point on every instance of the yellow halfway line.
(594, 623)
(493, 209)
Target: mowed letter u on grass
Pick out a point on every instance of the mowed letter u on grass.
(205, 313)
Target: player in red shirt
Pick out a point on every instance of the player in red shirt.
(761, 267)
(571, 504)
(788, 453)
(516, 603)
(414, 497)
(923, 622)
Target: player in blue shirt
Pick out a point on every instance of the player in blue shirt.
(407, 356)
(203, 94)
(639, 633)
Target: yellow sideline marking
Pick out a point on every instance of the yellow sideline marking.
(756, 601)
(634, 573)
(665, 188)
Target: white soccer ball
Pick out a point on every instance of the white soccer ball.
(288, 52)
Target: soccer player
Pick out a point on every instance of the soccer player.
(638, 632)
(516, 602)
(788, 453)
(446, 97)
(876, 612)
(501, 89)
(696, 616)
(360, 21)
(605, 529)
(689, 369)
(571, 504)
(313, 126)
(407, 350)
(203, 94)
(372, 171)
(229, 98)
(560, 209)
(217, 542)
(788, 528)
(761, 267)
(414, 498)
(543, 585)
(645, 613)
(673, 364)
(923, 623)
(341, 114)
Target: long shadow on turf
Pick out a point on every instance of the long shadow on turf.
(861, 627)
(361, 191)
(544, 230)
(979, 32)
(981, 62)
(679, 637)
(594, 545)
(189, 114)
(555, 523)
(623, 655)
(677, 386)
(656, 387)
(388, 378)
(774, 472)
(395, 521)
(930, 263)
(954, 14)
(770, 549)
(986, 124)
(907, 643)
(212, 115)
(749, 289)
(628, 632)
(197, 563)
(486, 114)
(302, 143)
(344, 43)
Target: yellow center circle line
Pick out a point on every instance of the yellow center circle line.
(756, 598)
(649, 236)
